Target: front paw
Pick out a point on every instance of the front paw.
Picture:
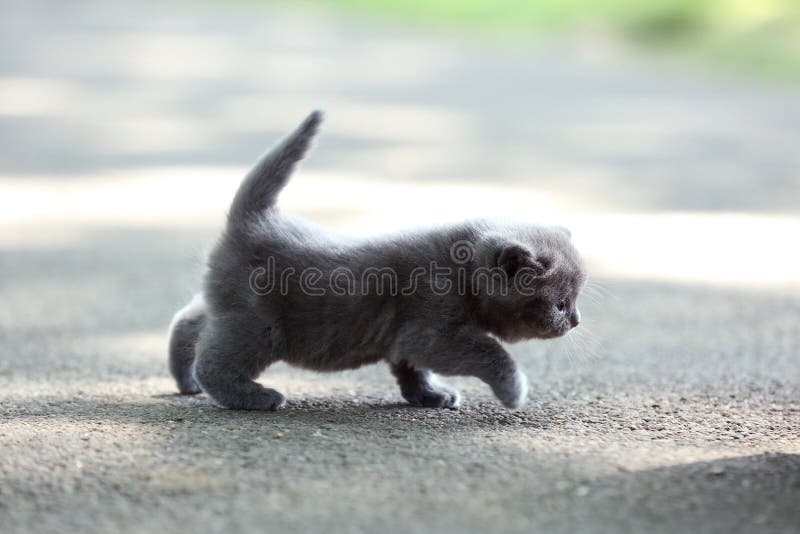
(262, 400)
(433, 397)
(513, 390)
(269, 400)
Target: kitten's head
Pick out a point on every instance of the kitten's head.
(543, 276)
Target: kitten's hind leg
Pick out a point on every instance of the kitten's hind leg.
(420, 388)
(183, 333)
(228, 360)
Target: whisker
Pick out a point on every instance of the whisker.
(570, 352)
(588, 344)
(599, 289)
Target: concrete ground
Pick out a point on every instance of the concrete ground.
(123, 129)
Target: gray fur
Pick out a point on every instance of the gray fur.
(184, 332)
(417, 334)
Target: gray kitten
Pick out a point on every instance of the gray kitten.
(435, 301)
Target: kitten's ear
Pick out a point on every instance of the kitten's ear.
(564, 230)
(512, 258)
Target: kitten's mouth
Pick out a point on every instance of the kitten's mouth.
(559, 332)
(551, 334)
(567, 329)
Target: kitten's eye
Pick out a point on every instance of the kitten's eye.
(562, 306)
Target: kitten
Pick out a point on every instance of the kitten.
(435, 301)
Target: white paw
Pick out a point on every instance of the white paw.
(515, 391)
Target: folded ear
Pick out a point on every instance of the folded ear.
(564, 230)
(512, 258)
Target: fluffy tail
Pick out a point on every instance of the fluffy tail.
(184, 331)
(261, 186)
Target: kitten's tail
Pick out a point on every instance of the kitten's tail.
(261, 186)
(184, 331)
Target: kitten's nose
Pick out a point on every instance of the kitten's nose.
(575, 318)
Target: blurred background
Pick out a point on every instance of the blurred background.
(664, 133)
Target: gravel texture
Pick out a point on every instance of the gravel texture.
(682, 421)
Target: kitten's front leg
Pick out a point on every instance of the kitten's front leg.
(420, 388)
(466, 351)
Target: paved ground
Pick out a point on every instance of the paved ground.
(677, 408)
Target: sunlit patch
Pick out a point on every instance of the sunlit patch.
(747, 250)
(34, 97)
(751, 251)
(170, 55)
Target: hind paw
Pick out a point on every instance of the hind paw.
(189, 387)
(433, 396)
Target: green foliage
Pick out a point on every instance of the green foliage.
(761, 36)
